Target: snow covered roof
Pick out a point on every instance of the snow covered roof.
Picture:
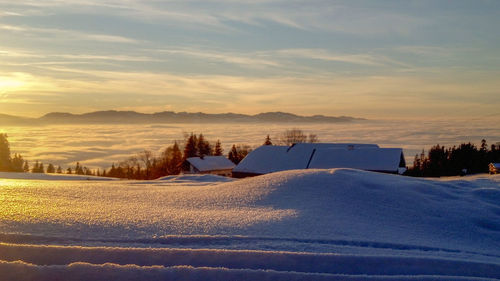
(268, 159)
(211, 163)
(377, 159)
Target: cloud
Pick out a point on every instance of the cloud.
(254, 59)
(340, 16)
(65, 34)
(423, 50)
(9, 14)
(321, 54)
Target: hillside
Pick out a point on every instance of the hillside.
(132, 117)
(338, 224)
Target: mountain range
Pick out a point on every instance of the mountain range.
(132, 117)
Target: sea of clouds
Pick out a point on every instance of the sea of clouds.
(98, 146)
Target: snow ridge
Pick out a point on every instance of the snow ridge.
(250, 261)
(338, 224)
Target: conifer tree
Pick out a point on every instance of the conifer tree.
(51, 169)
(5, 164)
(268, 141)
(203, 146)
(112, 171)
(79, 169)
(175, 162)
(41, 168)
(238, 152)
(26, 167)
(191, 147)
(218, 151)
(17, 163)
(59, 170)
(233, 155)
(36, 167)
(69, 171)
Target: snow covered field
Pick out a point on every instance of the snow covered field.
(338, 224)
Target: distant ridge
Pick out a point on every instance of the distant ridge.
(132, 117)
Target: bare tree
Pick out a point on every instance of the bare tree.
(292, 136)
(146, 157)
(312, 138)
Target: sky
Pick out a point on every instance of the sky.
(372, 59)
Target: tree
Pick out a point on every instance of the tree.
(36, 167)
(51, 169)
(17, 163)
(69, 171)
(190, 150)
(466, 158)
(175, 161)
(268, 141)
(233, 155)
(237, 153)
(146, 156)
(312, 138)
(218, 151)
(26, 167)
(59, 170)
(41, 169)
(79, 169)
(293, 136)
(88, 172)
(191, 147)
(5, 164)
(203, 146)
(131, 168)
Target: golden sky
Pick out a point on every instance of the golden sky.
(359, 58)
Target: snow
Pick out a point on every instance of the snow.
(52, 177)
(211, 163)
(196, 179)
(336, 224)
(379, 159)
(269, 159)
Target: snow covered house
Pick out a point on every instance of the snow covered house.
(215, 165)
(494, 168)
(370, 157)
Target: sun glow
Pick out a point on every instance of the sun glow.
(9, 83)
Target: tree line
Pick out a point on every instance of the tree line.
(466, 158)
(8, 163)
(146, 165)
(173, 159)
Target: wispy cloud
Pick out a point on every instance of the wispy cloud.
(423, 50)
(321, 54)
(9, 14)
(338, 16)
(253, 59)
(351, 56)
(65, 34)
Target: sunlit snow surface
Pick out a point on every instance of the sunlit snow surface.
(298, 225)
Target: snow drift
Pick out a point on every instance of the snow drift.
(52, 177)
(338, 224)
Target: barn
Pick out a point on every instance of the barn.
(215, 165)
(370, 157)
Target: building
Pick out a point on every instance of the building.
(370, 157)
(494, 168)
(215, 165)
